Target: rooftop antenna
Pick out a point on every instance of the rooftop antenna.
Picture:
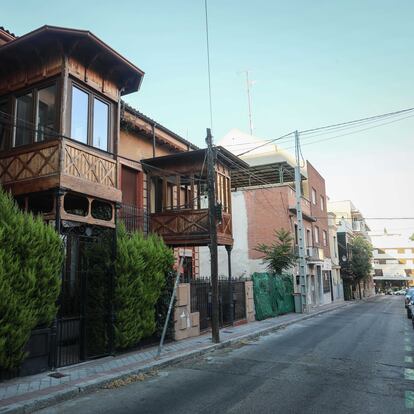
(249, 84)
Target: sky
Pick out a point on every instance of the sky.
(314, 63)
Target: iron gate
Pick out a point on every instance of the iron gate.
(84, 327)
(231, 307)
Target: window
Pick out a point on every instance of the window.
(335, 243)
(296, 235)
(79, 126)
(326, 281)
(90, 119)
(24, 119)
(100, 124)
(35, 115)
(379, 272)
(46, 112)
(382, 261)
(313, 196)
(408, 272)
(401, 251)
(325, 238)
(308, 238)
(4, 121)
(316, 234)
(101, 210)
(322, 203)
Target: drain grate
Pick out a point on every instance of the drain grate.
(57, 375)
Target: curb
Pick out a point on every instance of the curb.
(97, 383)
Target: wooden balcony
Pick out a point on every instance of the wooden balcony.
(177, 190)
(60, 163)
(188, 227)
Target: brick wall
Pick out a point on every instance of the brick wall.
(317, 183)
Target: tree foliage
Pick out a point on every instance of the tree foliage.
(31, 256)
(141, 266)
(361, 257)
(279, 255)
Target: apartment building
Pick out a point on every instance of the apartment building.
(393, 260)
(350, 222)
(264, 201)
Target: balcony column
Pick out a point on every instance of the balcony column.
(231, 304)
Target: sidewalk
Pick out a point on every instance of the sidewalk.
(26, 394)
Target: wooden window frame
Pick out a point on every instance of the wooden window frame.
(34, 89)
(92, 95)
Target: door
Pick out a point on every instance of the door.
(84, 319)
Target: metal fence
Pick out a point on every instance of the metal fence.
(134, 218)
(232, 301)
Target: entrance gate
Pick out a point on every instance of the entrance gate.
(84, 328)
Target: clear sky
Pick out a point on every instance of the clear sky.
(314, 62)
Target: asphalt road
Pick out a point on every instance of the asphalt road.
(357, 359)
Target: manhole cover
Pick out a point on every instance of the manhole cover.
(57, 375)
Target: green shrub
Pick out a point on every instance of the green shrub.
(31, 258)
(141, 266)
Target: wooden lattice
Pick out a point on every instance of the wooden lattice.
(89, 166)
(31, 164)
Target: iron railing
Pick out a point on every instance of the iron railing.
(134, 218)
(232, 304)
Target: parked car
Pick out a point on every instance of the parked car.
(407, 297)
(400, 292)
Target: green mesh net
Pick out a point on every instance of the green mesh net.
(273, 295)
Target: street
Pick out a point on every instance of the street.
(358, 359)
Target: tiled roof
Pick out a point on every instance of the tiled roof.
(7, 31)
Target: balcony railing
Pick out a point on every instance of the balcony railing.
(60, 163)
(134, 218)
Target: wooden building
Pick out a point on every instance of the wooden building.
(74, 152)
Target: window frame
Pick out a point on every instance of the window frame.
(316, 234)
(314, 196)
(34, 90)
(92, 95)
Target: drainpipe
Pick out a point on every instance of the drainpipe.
(153, 139)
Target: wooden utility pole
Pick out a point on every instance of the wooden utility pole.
(211, 161)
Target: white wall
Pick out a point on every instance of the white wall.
(242, 266)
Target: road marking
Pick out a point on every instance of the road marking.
(408, 348)
(409, 374)
(409, 359)
(409, 399)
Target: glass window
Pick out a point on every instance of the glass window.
(313, 196)
(24, 122)
(101, 210)
(4, 121)
(322, 203)
(316, 234)
(100, 124)
(46, 113)
(79, 130)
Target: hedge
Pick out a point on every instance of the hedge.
(31, 257)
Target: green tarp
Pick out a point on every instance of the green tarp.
(273, 295)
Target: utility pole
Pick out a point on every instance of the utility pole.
(301, 230)
(249, 99)
(211, 161)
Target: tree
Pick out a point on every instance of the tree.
(279, 255)
(361, 259)
(141, 266)
(412, 237)
(31, 255)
